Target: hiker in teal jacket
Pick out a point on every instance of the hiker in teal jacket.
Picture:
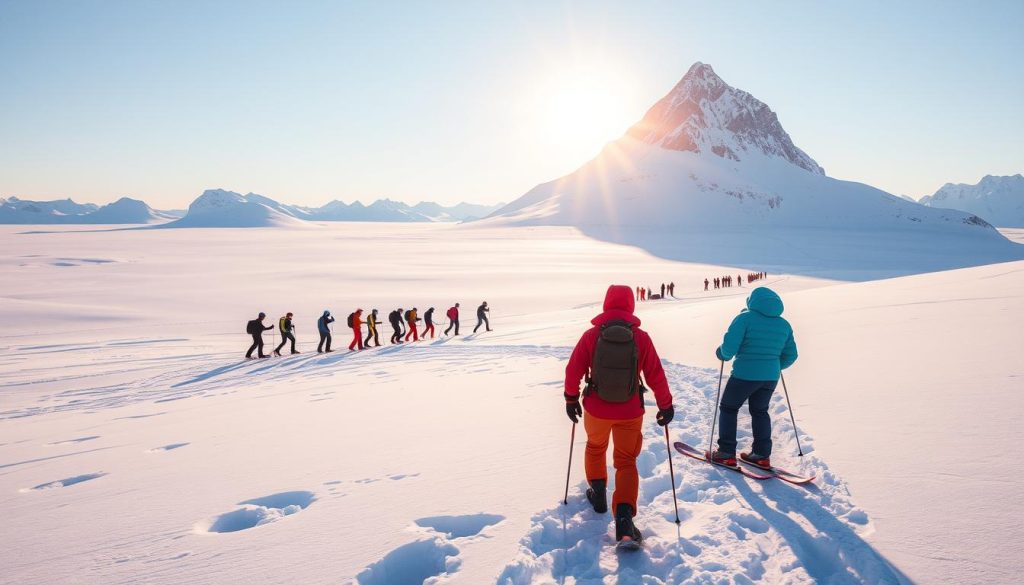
(762, 343)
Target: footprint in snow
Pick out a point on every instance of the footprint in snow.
(164, 448)
(78, 440)
(412, 563)
(62, 483)
(258, 512)
(460, 526)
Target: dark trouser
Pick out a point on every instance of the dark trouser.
(396, 337)
(429, 327)
(757, 395)
(285, 337)
(324, 337)
(481, 321)
(372, 334)
(257, 342)
(454, 324)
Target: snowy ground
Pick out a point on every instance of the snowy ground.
(136, 445)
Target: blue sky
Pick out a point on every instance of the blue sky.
(449, 101)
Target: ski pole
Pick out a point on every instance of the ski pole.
(714, 416)
(572, 440)
(791, 417)
(672, 474)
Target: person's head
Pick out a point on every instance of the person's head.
(359, 311)
(327, 313)
(619, 298)
(485, 303)
(415, 309)
(373, 312)
(431, 309)
(763, 300)
(262, 316)
(289, 315)
(456, 305)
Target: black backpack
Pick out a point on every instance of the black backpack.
(350, 317)
(408, 315)
(613, 372)
(251, 326)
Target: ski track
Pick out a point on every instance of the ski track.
(733, 530)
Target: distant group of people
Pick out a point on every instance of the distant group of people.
(644, 293)
(726, 281)
(405, 324)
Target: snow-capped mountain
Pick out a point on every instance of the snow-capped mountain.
(221, 208)
(710, 175)
(66, 211)
(704, 114)
(999, 200)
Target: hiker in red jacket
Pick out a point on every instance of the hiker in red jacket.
(355, 321)
(453, 319)
(613, 401)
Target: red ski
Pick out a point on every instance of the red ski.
(793, 478)
(699, 456)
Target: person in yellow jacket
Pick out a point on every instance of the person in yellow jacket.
(371, 329)
(411, 317)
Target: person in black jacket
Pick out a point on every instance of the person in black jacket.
(323, 326)
(428, 322)
(481, 317)
(287, 334)
(395, 317)
(256, 329)
(371, 329)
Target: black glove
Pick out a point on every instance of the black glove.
(718, 354)
(665, 415)
(572, 408)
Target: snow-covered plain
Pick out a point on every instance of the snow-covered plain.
(137, 446)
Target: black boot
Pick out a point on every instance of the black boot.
(624, 528)
(597, 495)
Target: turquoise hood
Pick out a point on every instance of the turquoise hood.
(764, 300)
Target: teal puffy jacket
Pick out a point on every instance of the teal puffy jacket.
(760, 339)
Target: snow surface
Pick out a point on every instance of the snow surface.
(136, 445)
(999, 200)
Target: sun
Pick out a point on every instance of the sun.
(579, 109)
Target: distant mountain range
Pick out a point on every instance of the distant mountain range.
(997, 200)
(66, 211)
(220, 208)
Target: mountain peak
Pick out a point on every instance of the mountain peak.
(704, 114)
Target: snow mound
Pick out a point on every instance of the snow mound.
(217, 208)
(1000, 200)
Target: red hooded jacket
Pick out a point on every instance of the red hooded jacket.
(618, 306)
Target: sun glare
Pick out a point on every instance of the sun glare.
(580, 110)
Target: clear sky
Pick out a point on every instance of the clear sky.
(449, 101)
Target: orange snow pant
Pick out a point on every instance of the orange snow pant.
(628, 439)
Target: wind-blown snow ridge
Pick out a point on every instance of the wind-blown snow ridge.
(705, 114)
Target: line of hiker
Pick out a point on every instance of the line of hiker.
(726, 281)
(644, 293)
(404, 323)
(616, 357)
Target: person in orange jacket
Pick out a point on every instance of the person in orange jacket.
(614, 402)
(355, 321)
